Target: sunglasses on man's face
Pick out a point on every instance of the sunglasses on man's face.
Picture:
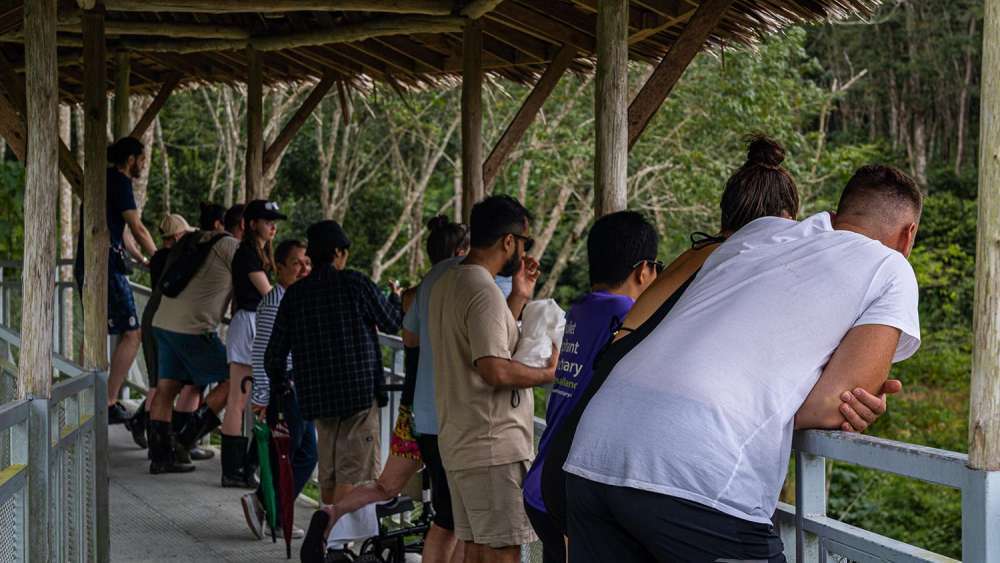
(656, 264)
(529, 242)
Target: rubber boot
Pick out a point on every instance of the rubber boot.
(161, 450)
(198, 425)
(234, 463)
(137, 426)
(179, 421)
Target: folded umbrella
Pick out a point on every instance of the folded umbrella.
(281, 441)
(262, 436)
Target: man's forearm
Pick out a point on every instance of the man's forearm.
(509, 373)
(516, 304)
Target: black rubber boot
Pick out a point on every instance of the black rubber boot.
(161, 450)
(179, 421)
(137, 426)
(198, 425)
(234, 463)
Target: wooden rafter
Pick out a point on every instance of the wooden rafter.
(154, 107)
(429, 7)
(668, 72)
(294, 124)
(526, 114)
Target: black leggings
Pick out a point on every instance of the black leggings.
(626, 525)
(550, 534)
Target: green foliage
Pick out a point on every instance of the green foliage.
(11, 210)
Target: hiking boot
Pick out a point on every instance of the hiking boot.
(137, 426)
(161, 450)
(117, 414)
(313, 549)
(234, 463)
(253, 511)
(179, 421)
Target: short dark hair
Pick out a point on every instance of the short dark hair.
(760, 188)
(210, 213)
(120, 150)
(495, 217)
(880, 188)
(285, 248)
(233, 217)
(616, 243)
(446, 238)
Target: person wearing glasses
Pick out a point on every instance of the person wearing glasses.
(483, 398)
(621, 251)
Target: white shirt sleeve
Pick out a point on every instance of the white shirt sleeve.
(895, 304)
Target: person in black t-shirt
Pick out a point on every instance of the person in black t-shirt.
(126, 160)
(251, 266)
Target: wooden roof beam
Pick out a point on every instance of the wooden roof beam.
(426, 7)
(294, 124)
(398, 25)
(479, 8)
(154, 107)
(668, 72)
(527, 20)
(526, 115)
(169, 29)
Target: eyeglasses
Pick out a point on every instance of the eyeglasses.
(529, 242)
(656, 264)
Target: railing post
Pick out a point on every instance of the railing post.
(101, 518)
(981, 517)
(41, 535)
(810, 500)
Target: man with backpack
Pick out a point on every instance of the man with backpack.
(196, 285)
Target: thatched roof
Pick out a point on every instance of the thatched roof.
(406, 43)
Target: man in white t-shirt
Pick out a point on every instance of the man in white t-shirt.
(783, 319)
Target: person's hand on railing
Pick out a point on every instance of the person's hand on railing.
(861, 409)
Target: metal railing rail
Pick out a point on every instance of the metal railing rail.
(53, 468)
(815, 536)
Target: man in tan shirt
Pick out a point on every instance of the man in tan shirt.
(484, 400)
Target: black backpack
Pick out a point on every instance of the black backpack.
(184, 262)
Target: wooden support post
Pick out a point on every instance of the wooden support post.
(472, 117)
(95, 224)
(671, 67)
(294, 124)
(610, 99)
(40, 201)
(122, 121)
(255, 126)
(526, 115)
(984, 411)
(155, 106)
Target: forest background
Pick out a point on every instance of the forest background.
(900, 89)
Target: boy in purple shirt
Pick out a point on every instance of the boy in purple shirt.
(621, 250)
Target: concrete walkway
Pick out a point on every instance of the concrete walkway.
(185, 517)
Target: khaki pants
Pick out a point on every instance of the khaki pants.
(349, 448)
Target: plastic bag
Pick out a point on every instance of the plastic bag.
(542, 325)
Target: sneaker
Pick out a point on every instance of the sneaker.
(253, 511)
(297, 532)
(117, 414)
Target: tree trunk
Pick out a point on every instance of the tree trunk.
(963, 99)
(140, 185)
(165, 160)
(569, 248)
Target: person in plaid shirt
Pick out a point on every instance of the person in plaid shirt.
(329, 322)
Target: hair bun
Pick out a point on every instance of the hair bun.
(764, 151)
(438, 222)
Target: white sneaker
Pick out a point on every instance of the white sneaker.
(297, 532)
(253, 511)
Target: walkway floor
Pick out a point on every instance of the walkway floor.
(187, 517)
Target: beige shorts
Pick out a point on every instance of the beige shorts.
(349, 448)
(488, 505)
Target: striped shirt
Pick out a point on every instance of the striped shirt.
(266, 312)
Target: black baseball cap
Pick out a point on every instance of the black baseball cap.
(327, 234)
(262, 209)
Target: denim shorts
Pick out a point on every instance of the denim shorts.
(192, 358)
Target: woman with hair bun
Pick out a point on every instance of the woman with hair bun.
(414, 439)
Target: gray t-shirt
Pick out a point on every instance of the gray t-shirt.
(711, 394)
(200, 307)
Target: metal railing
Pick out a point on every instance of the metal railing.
(53, 467)
(808, 533)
